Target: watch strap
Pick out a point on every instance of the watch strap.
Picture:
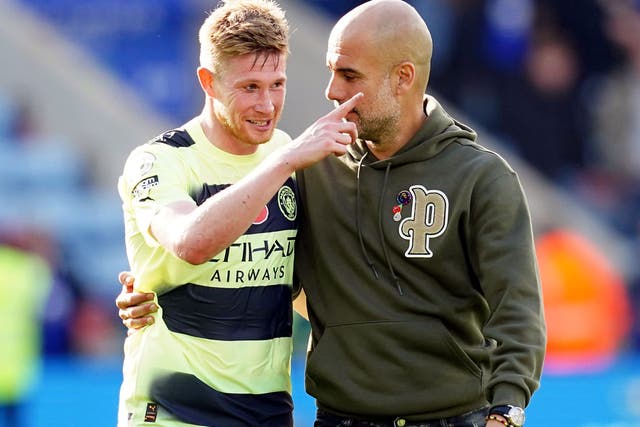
(506, 412)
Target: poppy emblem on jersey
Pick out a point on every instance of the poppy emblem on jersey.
(262, 216)
(403, 198)
(287, 202)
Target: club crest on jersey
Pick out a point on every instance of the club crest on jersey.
(287, 202)
(428, 219)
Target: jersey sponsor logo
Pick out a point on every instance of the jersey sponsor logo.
(429, 213)
(252, 261)
(287, 202)
(252, 251)
(252, 275)
(142, 189)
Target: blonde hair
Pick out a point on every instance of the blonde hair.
(238, 27)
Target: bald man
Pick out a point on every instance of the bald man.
(415, 251)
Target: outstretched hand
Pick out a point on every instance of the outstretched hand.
(134, 307)
(330, 134)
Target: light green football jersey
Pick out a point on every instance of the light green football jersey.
(219, 351)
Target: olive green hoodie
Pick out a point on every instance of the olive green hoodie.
(421, 278)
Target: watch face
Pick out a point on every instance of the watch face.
(516, 415)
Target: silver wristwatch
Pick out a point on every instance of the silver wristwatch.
(513, 414)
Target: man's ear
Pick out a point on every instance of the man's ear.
(406, 76)
(206, 78)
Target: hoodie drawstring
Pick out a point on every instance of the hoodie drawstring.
(396, 280)
(382, 239)
(362, 247)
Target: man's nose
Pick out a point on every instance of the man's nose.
(265, 103)
(331, 92)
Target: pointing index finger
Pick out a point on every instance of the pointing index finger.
(343, 109)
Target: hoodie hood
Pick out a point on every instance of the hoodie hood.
(436, 133)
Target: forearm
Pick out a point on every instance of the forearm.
(196, 234)
(511, 285)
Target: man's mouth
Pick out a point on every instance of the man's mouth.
(351, 114)
(260, 122)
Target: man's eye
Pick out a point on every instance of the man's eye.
(252, 88)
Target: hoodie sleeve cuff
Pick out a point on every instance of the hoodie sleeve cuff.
(509, 394)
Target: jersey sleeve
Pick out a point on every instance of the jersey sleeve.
(153, 177)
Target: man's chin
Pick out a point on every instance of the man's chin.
(260, 141)
(264, 138)
(254, 137)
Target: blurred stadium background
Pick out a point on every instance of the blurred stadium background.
(552, 85)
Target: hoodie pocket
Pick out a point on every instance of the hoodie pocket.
(392, 368)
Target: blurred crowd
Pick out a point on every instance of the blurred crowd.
(558, 82)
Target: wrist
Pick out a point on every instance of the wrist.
(508, 415)
(499, 419)
(283, 160)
